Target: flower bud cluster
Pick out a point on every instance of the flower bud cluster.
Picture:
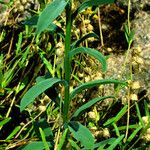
(22, 8)
(59, 53)
(146, 135)
(137, 59)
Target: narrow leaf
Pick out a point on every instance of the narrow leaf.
(92, 52)
(31, 21)
(74, 144)
(89, 35)
(87, 105)
(62, 140)
(91, 3)
(44, 139)
(118, 116)
(49, 14)
(147, 112)
(133, 135)
(139, 114)
(13, 132)
(105, 142)
(115, 143)
(3, 122)
(39, 145)
(134, 126)
(38, 89)
(116, 129)
(82, 134)
(94, 83)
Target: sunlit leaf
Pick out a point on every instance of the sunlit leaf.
(44, 139)
(94, 83)
(17, 128)
(89, 35)
(42, 123)
(133, 135)
(82, 134)
(3, 122)
(117, 117)
(115, 143)
(49, 14)
(87, 105)
(92, 52)
(74, 144)
(62, 139)
(90, 3)
(38, 89)
(103, 143)
(38, 145)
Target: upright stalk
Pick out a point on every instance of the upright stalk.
(67, 66)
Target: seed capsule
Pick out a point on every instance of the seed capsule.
(134, 97)
(89, 28)
(59, 52)
(106, 133)
(23, 2)
(21, 8)
(135, 85)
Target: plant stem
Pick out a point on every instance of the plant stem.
(100, 28)
(129, 8)
(67, 66)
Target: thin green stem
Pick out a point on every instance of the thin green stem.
(67, 66)
(129, 8)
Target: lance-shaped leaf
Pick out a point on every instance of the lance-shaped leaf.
(94, 83)
(103, 143)
(78, 42)
(115, 143)
(91, 3)
(117, 117)
(82, 134)
(92, 52)
(49, 14)
(38, 89)
(38, 145)
(87, 105)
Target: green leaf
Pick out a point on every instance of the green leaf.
(147, 112)
(49, 14)
(13, 132)
(38, 89)
(116, 129)
(139, 114)
(133, 135)
(82, 134)
(74, 144)
(39, 145)
(44, 139)
(78, 42)
(105, 142)
(118, 116)
(115, 143)
(3, 122)
(50, 92)
(52, 28)
(92, 52)
(134, 126)
(62, 140)
(44, 125)
(91, 3)
(87, 105)
(18, 45)
(31, 21)
(94, 83)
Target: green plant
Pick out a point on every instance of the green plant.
(70, 123)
